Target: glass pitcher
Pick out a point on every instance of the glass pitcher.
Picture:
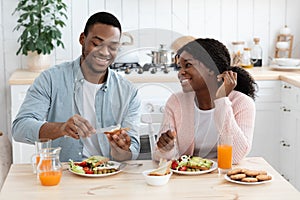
(49, 169)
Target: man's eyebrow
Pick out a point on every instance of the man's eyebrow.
(98, 38)
(102, 40)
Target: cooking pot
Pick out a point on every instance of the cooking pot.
(162, 56)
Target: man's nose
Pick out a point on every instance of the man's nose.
(103, 49)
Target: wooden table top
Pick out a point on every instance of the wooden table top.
(21, 183)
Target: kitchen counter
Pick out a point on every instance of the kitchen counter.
(24, 77)
(21, 183)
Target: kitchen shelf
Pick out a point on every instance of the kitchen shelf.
(284, 38)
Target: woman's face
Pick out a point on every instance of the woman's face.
(193, 75)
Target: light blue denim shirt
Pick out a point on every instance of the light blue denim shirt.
(56, 95)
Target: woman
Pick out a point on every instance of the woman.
(216, 99)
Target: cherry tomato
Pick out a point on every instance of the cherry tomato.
(183, 168)
(83, 164)
(174, 164)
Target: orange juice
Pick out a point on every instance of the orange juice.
(224, 156)
(37, 158)
(50, 178)
(45, 165)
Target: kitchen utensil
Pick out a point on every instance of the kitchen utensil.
(162, 56)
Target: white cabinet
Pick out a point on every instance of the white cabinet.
(267, 122)
(21, 152)
(290, 134)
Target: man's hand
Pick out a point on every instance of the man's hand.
(76, 127)
(120, 144)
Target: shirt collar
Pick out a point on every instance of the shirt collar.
(79, 78)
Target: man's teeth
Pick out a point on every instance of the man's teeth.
(184, 81)
(102, 59)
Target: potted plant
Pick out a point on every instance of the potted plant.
(39, 21)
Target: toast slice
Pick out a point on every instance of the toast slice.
(164, 169)
(116, 131)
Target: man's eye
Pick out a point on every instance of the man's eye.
(114, 47)
(95, 44)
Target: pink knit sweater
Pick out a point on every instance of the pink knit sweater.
(234, 115)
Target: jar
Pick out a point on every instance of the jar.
(237, 53)
(246, 58)
(49, 169)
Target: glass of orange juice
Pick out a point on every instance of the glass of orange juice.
(224, 153)
(40, 144)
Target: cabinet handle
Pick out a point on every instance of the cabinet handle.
(285, 178)
(284, 143)
(287, 87)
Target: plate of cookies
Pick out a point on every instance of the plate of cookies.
(248, 176)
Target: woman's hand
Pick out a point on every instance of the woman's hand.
(229, 83)
(166, 141)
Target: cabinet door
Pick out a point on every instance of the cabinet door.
(267, 122)
(266, 133)
(287, 144)
(297, 174)
(21, 152)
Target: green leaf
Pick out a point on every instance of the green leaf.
(39, 21)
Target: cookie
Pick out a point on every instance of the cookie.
(263, 177)
(234, 171)
(261, 172)
(237, 176)
(249, 179)
(252, 173)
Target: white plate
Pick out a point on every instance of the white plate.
(284, 68)
(248, 183)
(213, 167)
(115, 165)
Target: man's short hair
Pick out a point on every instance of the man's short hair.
(103, 18)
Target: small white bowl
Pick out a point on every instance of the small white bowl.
(282, 45)
(287, 61)
(156, 180)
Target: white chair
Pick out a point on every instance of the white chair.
(154, 97)
(154, 121)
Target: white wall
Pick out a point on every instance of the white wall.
(225, 20)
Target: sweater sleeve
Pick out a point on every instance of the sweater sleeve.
(236, 115)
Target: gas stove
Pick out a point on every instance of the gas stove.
(136, 68)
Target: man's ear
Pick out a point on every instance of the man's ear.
(81, 38)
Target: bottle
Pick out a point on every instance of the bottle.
(246, 58)
(256, 53)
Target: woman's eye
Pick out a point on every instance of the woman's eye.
(188, 65)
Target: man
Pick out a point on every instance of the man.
(70, 101)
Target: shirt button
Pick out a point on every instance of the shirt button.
(79, 153)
